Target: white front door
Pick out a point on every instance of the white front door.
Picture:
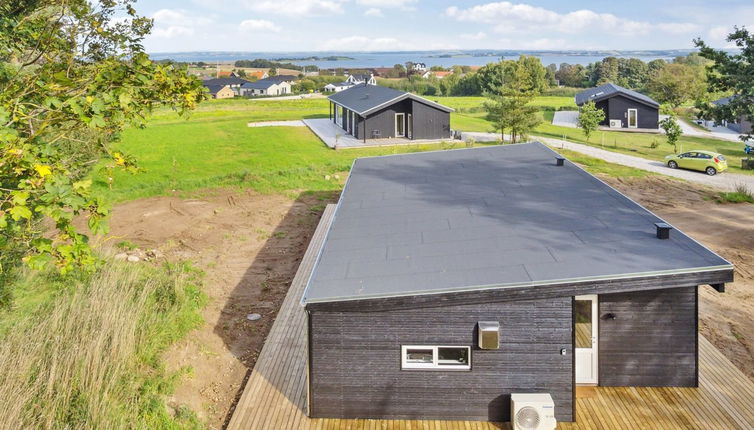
(400, 125)
(633, 118)
(585, 310)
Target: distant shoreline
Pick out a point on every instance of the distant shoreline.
(442, 58)
(314, 58)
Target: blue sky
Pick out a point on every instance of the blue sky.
(388, 25)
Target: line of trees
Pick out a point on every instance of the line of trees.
(673, 82)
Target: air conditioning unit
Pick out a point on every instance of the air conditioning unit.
(532, 412)
(616, 123)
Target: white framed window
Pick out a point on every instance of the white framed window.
(435, 357)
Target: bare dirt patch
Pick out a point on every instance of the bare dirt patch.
(727, 319)
(250, 246)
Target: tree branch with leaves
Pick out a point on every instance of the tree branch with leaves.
(731, 73)
(72, 77)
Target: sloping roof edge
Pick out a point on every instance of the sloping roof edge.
(403, 96)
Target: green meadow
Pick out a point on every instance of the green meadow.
(213, 147)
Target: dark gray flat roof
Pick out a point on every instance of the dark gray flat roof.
(365, 99)
(609, 90)
(498, 216)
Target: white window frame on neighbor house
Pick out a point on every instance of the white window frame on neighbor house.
(402, 115)
(436, 364)
(636, 118)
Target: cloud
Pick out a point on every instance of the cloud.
(172, 23)
(362, 43)
(373, 11)
(388, 4)
(507, 17)
(474, 36)
(258, 25)
(677, 27)
(297, 7)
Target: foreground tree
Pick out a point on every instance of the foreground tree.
(71, 79)
(731, 73)
(672, 130)
(590, 118)
(508, 104)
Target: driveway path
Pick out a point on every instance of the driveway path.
(724, 181)
(293, 123)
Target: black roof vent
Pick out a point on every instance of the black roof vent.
(663, 230)
(559, 160)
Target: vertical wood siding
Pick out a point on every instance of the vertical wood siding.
(618, 109)
(652, 341)
(429, 122)
(356, 361)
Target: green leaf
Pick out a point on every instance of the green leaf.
(18, 212)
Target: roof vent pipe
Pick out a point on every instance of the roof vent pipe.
(559, 160)
(663, 230)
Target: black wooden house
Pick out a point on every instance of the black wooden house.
(623, 108)
(580, 284)
(374, 112)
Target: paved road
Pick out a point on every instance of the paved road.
(723, 181)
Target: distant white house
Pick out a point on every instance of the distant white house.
(266, 87)
(419, 67)
(337, 87)
(350, 81)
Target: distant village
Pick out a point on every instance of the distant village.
(235, 80)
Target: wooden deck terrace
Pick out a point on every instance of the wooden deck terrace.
(275, 394)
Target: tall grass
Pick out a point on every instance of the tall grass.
(90, 357)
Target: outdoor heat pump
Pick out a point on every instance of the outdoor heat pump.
(489, 334)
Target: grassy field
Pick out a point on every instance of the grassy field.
(214, 147)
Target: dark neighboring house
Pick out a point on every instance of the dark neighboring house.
(234, 82)
(571, 281)
(623, 108)
(373, 112)
(742, 124)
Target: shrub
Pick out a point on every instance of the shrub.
(740, 194)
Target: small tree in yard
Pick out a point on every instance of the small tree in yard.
(508, 106)
(590, 118)
(672, 131)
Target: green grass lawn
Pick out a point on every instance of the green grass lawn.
(215, 148)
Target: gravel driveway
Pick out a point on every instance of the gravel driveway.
(724, 181)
